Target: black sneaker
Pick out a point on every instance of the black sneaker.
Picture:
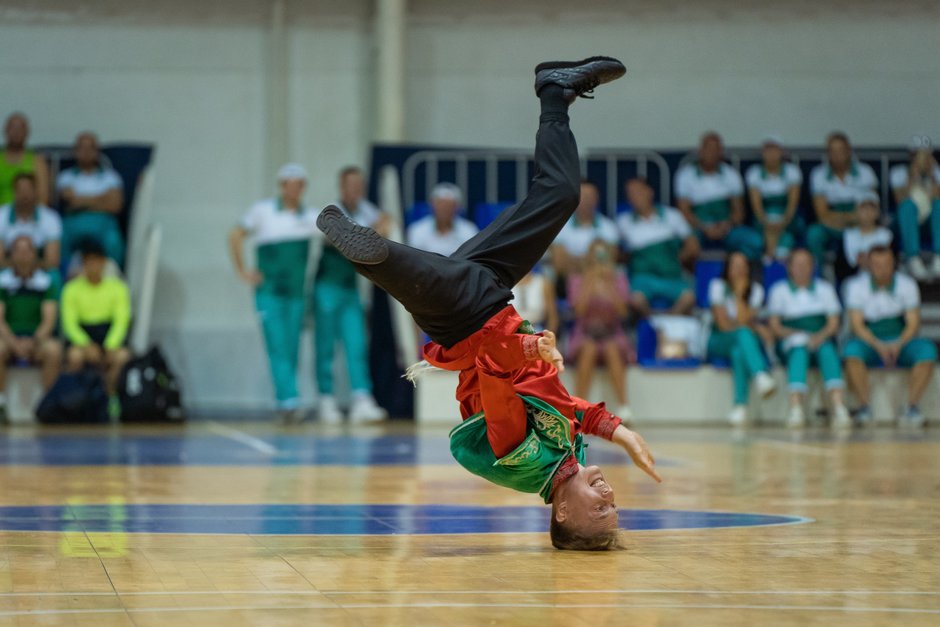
(359, 244)
(578, 78)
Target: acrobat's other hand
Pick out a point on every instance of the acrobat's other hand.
(549, 352)
(634, 444)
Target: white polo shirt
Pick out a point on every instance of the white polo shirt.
(268, 222)
(802, 308)
(423, 234)
(94, 183)
(576, 238)
(774, 188)
(366, 213)
(654, 242)
(720, 295)
(842, 194)
(43, 226)
(883, 308)
(900, 173)
(707, 190)
(855, 242)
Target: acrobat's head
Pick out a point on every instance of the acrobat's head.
(584, 516)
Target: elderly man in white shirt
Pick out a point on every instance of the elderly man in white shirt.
(884, 311)
(444, 231)
(27, 216)
(92, 197)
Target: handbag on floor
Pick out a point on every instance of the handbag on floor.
(75, 398)
(148, 390)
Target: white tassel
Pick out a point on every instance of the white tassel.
(416, 370)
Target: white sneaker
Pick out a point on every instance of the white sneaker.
(796, 419)
(917, 269)
(935, 266)
(840, 418)
(328, 412)
(738, 416)
(364, 409)
(765, 384)
(911, 418)
(625, 414)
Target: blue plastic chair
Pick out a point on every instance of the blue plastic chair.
(485, 213)
(705, 271)
(416, 212)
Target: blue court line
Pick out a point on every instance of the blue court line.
(208, 450)
(279, 519)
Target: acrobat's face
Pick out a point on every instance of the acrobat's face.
(588, 503)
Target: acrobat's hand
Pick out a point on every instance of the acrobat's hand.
(549, 352)
(634, 444)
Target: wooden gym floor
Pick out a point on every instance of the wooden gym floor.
(245, 523)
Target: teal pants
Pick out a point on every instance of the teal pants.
(742, 239)
(910, 229)
(654, 287)
(790, 236)
(742, 347)
(820, 238)
(102, 227)
(282, 319)
(917, 350)
(826, 357)
(339, 317)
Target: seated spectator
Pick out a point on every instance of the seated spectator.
(804, 316)
(916, 189)
(599, 296)
(29, 308)
(884, 312)
(659, 242)
(836, 186)
(96, 314)
(534, 300)
(444, 231)
(570, 248)
(774, 191)
(736, 300)
(27, 216)
(858, 240)
(710, 196)
(92, 197)
(16, 158)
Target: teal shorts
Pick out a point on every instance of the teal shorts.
(654, 287)
(917, 350)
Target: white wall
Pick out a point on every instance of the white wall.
(190, 77)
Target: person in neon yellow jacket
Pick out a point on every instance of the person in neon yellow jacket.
(96, 313)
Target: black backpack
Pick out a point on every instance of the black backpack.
(75, 398)
(148, 390)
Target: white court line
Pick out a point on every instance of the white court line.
(242, 438)
(796, 447)
(670, 606)
(484, 592)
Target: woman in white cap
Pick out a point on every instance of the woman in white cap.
(281, 228)
(916, 189)
(774, 191)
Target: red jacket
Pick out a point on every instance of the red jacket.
(497, 364)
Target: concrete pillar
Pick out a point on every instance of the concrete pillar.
(276, 91)
(390, 30)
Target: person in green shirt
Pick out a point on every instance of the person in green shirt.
(29, 309)
(96, 314)
(16, 158)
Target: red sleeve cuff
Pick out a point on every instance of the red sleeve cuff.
(530, 347)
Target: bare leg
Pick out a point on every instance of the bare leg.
(857, 375)
(616, 371)
(115, 361)
(4, 360)
(585, 364)
(684, 304)
(49, 357)
(640, 304)
(796, 399)
(921, 375)
(75, 358)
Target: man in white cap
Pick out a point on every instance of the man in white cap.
(774, 191)
(444, 231)
(916, 188)
(281, 228)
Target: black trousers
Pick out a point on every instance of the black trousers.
(452, 297)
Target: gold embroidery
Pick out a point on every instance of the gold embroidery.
(549, 425)
(525, 452)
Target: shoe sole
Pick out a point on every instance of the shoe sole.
(357, 243)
